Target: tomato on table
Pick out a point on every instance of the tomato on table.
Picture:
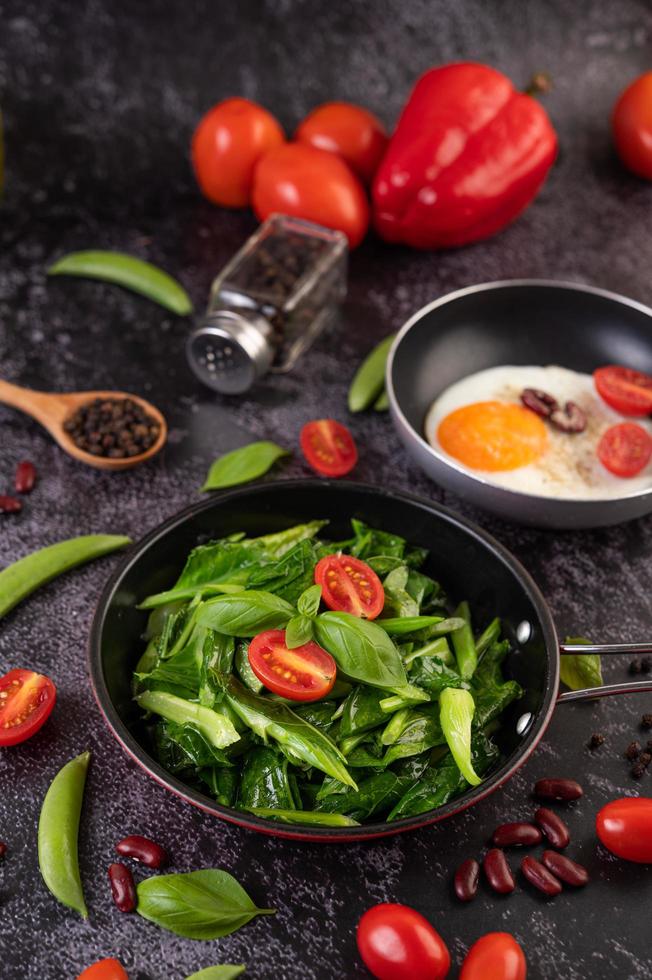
(328, 447)
(496, 956)
(304, 182)
(305, 673)
(108, 969)
(632, 126)
(627, 391)
(348, 130)
(625, 828)
(625, 449)
(227, 144)
(350, 585)
(26, 702)
(397, 943)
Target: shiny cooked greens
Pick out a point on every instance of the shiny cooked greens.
(407, 727)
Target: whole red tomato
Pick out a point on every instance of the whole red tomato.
(496, 956)
(349, 130)
(226, 146)
(625, 828)
(313, 184)
(398, 943)
(632, 126)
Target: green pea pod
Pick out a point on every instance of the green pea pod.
(19, 580)
(456, 709)
(57, 834)
(125, 270)
(382, 402)
(369, 379)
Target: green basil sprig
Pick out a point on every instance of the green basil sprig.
(308, 604)
(362, 650)
(205, 904)
(298, 631)
(243, 465)
(245, 613)
(225, 971)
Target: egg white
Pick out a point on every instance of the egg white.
(569, 468)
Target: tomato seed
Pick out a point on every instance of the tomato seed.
(540, 877)
(9, 505)
(466, 880)
(553, 827)
(570, 872)
(123, 888)
(497, 871)
(516, 835)
(558, 789)
(25, 477)
(142, 849)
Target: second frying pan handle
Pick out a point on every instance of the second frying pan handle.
(605, 649)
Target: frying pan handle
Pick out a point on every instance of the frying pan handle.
(609, 649)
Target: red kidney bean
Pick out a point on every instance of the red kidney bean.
(562, 867)
(497, 871)
(553, 827)
(571, 418)
(25, 477)
(539, 402)
(9, 505)
(516, 834)
(558, 789)
(123, 888)
(466, 880)
(144, 850)
(539, 876)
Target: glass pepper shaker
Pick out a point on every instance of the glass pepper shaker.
(269, 303)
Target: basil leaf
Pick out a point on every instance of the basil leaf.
(298, 631)
(205, 904)
(309, 600)
(226, 971)
(243, 465)
(361, 649)
(581, 670)
(245, 613)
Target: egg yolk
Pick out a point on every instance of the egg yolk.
(493, 436)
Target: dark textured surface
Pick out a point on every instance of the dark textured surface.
(99, 102)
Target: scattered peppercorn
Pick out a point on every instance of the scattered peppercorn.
(635, 667)
(596, 740)
(633, 750)
(646, 665)
(638, 770)
(646, 721)
(114, 427)
(645, 758)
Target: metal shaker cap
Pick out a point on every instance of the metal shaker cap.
(230, 350)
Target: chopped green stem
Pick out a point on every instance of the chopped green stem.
(313, 817)
(436, 648)
(464, 644)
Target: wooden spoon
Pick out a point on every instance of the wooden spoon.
(52, 410)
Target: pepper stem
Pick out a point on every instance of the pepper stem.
(540, 84)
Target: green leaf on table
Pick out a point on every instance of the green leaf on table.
(243, 465)
(226, 971)
(204, 904)
(580, 670)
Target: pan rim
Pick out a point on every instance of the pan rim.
(515, 495)
(300, 831)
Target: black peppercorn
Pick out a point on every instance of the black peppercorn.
(645, 758)
(646, 721)
(596, 740)
(633, 750)
(113, 427)
(635, 667)
(638, 770)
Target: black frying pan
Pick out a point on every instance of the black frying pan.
(515, 322)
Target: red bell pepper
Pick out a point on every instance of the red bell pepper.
(468, 155)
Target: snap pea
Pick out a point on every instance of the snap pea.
(125, 270)
(19, 580)
(369, 379)
(382, 402)
(464, 644)
(57, 834)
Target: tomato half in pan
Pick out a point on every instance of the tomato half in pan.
(628, 391)
(305, 673)
(350, 585)
(625, 449)
(26, 703)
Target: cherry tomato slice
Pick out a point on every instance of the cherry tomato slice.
(496, 956)
(626, 390)
(625, 828)
(349, 130)
(398, 943)
(26, 702)
(349, 585)
(625, 449)
(632, 126)
(305, 673)
(328, 447)
(108, 969)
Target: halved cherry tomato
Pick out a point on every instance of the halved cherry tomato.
(628, 391)
(625, 828)
(313, 184)
(227, 144)
(305, 673)
(398, 943)
(496, 956)
(26, 702)
(349, 130)
(625, 449)
(328, 447)
(108, 969)
(632, 126)
(349, 585)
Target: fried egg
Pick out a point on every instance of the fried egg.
(480, 423)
